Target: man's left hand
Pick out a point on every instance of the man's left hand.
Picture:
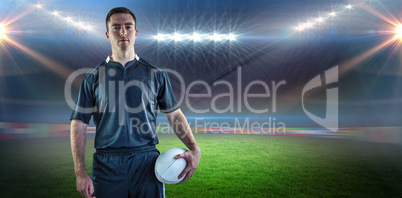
(192, 158)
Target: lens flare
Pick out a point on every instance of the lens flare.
(3, 31)
(398, 32)
(196, 37)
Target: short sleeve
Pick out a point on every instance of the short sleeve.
(84, 106)
(166, 99)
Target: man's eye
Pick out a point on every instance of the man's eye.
(115, 28)
(129, 27)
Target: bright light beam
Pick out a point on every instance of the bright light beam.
(290, 98)
(77, 24)
(177, 37)
(320, 19)
(379, 15)
(50, 64)
(232, 37)
(160, 37)
(3, 31)
(398, 32)
(196, 37)
(217, 37)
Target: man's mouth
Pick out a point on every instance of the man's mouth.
(123, 40)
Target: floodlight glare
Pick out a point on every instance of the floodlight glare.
(232, 37)
(2, 31)
(308, 25)
(398, 32)
(217, 37)
(177, 37)
(89, 28)
(38, 5)
(321, 19)
(55, 13)
(300, 28)
(160, 37)
(81, 25)
(196, 37)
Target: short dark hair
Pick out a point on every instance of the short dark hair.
(119, 10)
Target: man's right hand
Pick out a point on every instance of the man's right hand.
(84, 185)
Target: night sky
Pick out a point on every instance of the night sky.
(275, 41)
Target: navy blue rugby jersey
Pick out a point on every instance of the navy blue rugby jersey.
(124, 102)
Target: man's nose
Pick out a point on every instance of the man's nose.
(123, 31)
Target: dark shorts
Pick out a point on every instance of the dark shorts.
(122, 173)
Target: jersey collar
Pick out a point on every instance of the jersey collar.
(136, 57)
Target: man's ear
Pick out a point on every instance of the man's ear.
(107, 36)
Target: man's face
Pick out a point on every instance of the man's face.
(121, 34)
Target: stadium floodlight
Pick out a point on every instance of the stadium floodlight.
(304, 26)
(177, 37)
(80, 25)
(308, 25)
(320, 19)
(231, 37)
(160, 37)
(398, 32)
(300, 28)
(2, 31)
(349, 7)
(332, 14)
(69, 19)
(89, 28)
(196, 37)
(217, 37)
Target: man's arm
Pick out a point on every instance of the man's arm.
(181, 128)
(78, 143)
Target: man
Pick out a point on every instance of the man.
(123, 94)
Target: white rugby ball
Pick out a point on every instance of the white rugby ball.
(167, 168)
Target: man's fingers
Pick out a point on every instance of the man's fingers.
(86, 191)
(91, 189)
(190, 168)
(85, 186)
(179, 156)
(81, 193)
(185, 171)
(188, 176)
(92, 192)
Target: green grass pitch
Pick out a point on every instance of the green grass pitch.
(230, 166)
